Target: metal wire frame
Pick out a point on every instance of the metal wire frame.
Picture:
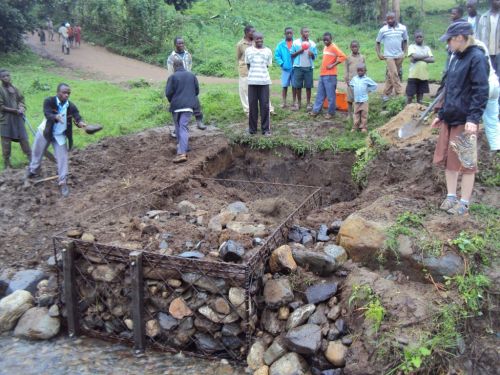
(245, 276)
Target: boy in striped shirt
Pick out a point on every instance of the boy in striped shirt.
(258, 59)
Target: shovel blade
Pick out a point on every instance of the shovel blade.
(410, 129)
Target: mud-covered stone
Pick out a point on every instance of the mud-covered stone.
(305, 339)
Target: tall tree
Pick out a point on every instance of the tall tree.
(16, 20)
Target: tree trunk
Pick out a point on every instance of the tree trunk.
(396, 9)
(383, 10)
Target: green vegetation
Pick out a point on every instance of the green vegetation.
(363, 298)
(406, 225)
(471, 288)
(365, 155)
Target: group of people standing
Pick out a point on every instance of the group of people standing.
(69, 36)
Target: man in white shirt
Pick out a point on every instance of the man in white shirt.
(473, 17)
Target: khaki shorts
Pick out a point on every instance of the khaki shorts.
(444, 154)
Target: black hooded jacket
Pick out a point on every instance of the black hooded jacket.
(50, 111)
(467, 88)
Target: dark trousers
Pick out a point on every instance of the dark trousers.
(258, 98)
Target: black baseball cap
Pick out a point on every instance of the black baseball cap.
(461, 27)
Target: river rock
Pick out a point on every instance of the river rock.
(278, 292)
(207, 344)
(255, 358)
(37, 324)
(318, 263)
(282, 260)
(275, 351)
(322, 235)
(341, 326)
(361, 238)
(231, 329)
(264, 370)
(13, 307)
(231, 251)
(237, 299)
(300, 316)
(232, 342)
(449, 265)
(211, 284)
(89, 237)
(205, 325)
(192, 255)
(336, 252)
(129, 323)
(106, 272)
(283, 313)
(271, 323)
(167, 322)
(25, 280)
(237, 208)
(221, 306)
(319, 315)
(289, 364)
(258, 230)
(186, 207)
(334, 312)
(54, 311)
(304, 339)
(300, 235)
(179, 309)
(336, 353)
(74, 233)
(210, 314)
(153, 328)
(321, 292)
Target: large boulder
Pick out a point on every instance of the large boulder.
(319, 263)
(36, 323)
(305, 339)
(289, 364)
(13, 307)
(336, 252)
(361, 238)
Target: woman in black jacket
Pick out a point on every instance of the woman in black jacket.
(465, 100)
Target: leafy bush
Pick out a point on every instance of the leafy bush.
(316, 4)
(16, 18)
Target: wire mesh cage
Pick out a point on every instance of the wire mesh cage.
(205, 307)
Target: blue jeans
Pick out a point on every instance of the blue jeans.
(181, 121)
(327, 87)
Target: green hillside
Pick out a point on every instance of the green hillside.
(211, 30)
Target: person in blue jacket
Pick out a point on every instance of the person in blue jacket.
(283, 58)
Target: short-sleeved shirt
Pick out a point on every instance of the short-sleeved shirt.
(392, 38)
(351, 64)
(259, 60)
(418, 69)
(241, 47)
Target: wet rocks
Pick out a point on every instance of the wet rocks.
(37, 324)
(322, 235)
(282, 260)
(319, 263)
(300, 316)
(300, 235)
(338, 253)
(275, 351)
(255, 358)
(231, 251)
(278, 292)
(321, 292)
(13, 307)
(289, 364)
(25, 280)
(336, 353)
(305, 339)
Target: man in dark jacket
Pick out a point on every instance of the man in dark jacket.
(182, 92)
(57, 129)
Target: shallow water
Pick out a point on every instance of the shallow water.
(92, 356)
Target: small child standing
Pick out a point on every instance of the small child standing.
(361, 86)
(418, 79)
(352, 61)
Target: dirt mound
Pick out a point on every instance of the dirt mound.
(411, 112)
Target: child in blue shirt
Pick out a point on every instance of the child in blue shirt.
(361, 86)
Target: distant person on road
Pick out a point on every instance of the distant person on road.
(78, 35)
(182, 92)
(473, 17)
(283, 58)
(456, 14)
(50, 29)
(56, 130)
(41, 35)
(63, 32)
(488, 32)
(466, 96)
(394, 37)
(12, 110)
(361, 86)
(327, 86)
(258, 59)
(71, 35)
(418, 79)
(304, 53)
(350, 71)
(243, 44)
(180, 53)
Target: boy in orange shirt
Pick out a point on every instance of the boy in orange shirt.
(327, 86)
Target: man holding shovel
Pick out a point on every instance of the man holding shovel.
(57, 129)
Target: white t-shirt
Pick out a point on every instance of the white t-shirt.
(259, 59)
(493, 33)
